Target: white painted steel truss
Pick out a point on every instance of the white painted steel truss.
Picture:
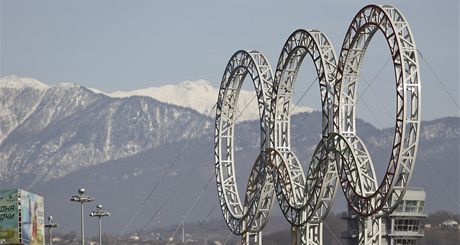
(305, 198)
(253, 215)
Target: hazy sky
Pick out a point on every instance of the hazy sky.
(125, 45)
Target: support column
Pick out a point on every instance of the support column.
(308, 234)
(252, 238)
(370, 231)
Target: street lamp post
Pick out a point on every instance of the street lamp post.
(100, 214)
(51, 225)
(82, 198)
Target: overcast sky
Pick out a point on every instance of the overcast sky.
(125, 45)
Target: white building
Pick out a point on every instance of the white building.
(405, 225)
(450, 223)
(402, 227)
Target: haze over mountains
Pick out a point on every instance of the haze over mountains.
(119, 146)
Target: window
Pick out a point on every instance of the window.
(408, 225)
(411, 206)
(405, 241)
(421, 205)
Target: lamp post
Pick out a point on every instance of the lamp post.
(82, 198)
(51, 225)
(100, 214)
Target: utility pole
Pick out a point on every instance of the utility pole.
(100, 214)
(82, 198)
(51, 225)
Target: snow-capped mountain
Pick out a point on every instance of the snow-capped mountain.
(199, 95)
(18, 98)
(48, 132)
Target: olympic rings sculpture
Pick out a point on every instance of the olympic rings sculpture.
(340, 156)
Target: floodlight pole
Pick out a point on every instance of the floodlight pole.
(51, 225)
(100, 214)
(82, 198)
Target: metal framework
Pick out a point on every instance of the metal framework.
(359, 183)
(341, 156)
(304, 198)
(249, 219)
(358, 179)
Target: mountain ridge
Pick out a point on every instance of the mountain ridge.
(199, 94)
(66, 136)
(70, 122)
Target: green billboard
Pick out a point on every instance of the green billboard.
(9, 217)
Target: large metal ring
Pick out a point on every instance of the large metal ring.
(358, 178)
(253, 215)
(299, 196)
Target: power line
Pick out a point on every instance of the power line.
(163, 204)
(306, 91)
(193, 205)
(373, 79)
(244, 109)
(379, 100)
(168, 170)
(439, 80)
(134, 216)
(372, 114)
(210, 179)
(157, 185)
(205, 219)
(332, 232)
(228, 238)
(439, 180)
(360, 96)
(437, 197)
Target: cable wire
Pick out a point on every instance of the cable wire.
(228, 238)
(167, 171)
(332, 232)
(425, 161)
(301, 97)
(439, 180)
(133, 217)
(184, 217)
(373, 79)
(438, 198)
(210, 179)
(439, 80)
(163, 205)
(205, 219)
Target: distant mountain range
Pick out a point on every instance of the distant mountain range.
(119, 146)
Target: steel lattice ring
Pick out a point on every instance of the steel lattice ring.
(299, 196)
(358, 179)
(253, 215)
